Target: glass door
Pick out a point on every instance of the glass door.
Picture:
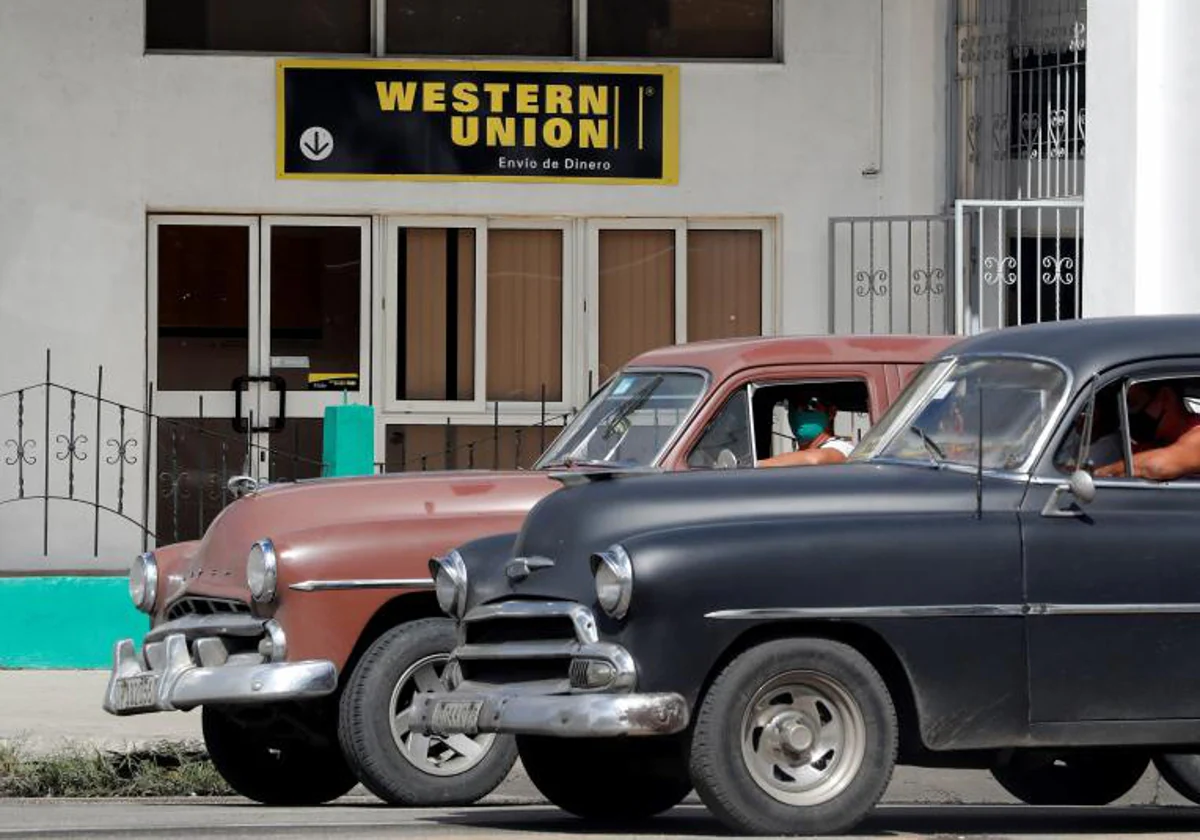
(256, 325)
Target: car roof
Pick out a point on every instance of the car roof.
(726, 356)
(1092, 345)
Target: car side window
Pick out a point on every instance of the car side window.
(849, 399)
(726, 441)
(1163, 431)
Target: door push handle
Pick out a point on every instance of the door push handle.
(238, 386)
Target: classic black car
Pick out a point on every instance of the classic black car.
(965, 592)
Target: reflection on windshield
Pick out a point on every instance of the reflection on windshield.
(953, 406)
(629, 422)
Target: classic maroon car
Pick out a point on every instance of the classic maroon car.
(303, 622)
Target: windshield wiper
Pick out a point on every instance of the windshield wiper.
(635, 401)
(936, 455)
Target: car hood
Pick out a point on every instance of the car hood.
(569, 526)
(215, 566)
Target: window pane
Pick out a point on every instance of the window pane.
(305, 26)
(469, 27)
(525, 286)
(637, 295)
(724, 284)
(203, 306)
(316, 284)
(435, 314)
(726, 442)
(680, 28)
(413, 448)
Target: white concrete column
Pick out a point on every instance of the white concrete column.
(1142, 234)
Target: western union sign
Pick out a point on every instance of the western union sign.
(502, 121)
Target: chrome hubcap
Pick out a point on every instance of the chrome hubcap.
(431, 754)
(803, 738)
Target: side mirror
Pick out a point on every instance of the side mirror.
(1082, 486)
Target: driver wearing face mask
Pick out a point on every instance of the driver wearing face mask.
(1166, 437)
(812, 425)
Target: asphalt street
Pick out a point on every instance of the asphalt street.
(919, 803)
(367, 819)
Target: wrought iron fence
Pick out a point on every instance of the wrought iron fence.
(891, 274)
(84, 475)
(1018, 262)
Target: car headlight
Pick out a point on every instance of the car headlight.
(450, 583)
(143, 582)
(614, 580)
(262, 571)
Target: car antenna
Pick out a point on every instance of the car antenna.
(979, 464)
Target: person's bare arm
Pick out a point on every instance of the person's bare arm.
(1165, 464)
(804, 458)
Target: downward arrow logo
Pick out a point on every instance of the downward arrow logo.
(316, 143)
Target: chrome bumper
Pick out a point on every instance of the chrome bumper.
(168, 676)
(564, 715)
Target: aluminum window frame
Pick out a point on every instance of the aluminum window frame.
(377, 38)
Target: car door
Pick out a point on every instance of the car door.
(1112, 585)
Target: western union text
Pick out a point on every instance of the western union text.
(514, 115)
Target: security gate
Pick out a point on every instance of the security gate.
(1017, 262)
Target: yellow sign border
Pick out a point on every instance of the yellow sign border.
(669, 73)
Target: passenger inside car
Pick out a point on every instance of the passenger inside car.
(1164, 433)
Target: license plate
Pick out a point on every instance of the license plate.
(137, 692)
(456, 716)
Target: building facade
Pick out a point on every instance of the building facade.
(149, 226)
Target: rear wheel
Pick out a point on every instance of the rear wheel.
(1083, 777)
(796, 736)
(273, 762)
(1182, 772)
(609, 779)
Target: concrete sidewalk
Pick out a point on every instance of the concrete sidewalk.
(47, 710)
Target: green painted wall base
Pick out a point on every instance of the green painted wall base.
(65, 622)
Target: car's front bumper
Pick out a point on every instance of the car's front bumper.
(563, 715)
(186, 664)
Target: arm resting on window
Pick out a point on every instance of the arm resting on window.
(804, 458)
(1180, 459)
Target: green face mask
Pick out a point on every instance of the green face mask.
(807, 425)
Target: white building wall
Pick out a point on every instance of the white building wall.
(96, 134)
(1141, 250)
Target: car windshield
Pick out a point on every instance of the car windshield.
(952, 406)
(629, 422)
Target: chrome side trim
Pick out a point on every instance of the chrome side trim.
(1114, 609)
(373, 583)
(1189, 484)
(581, 617)
(938, 611)
(955, 611)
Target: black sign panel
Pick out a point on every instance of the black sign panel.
(498, 121)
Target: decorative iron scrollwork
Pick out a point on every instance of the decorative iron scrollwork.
(1000, 270)
(923, 281)
(871, 283)
(1063, 273)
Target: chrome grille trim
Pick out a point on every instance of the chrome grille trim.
(581, 617)
(201, 605)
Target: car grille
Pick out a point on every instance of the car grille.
(192, 605)
(524, 642)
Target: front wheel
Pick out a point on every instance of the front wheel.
(607, 779)
(1071, 778)
(275, 764)
(398, 765)
(796, 736)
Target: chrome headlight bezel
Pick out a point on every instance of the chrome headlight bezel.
(143, 582)
(450, 583)
(613, 572)
(262, 571)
